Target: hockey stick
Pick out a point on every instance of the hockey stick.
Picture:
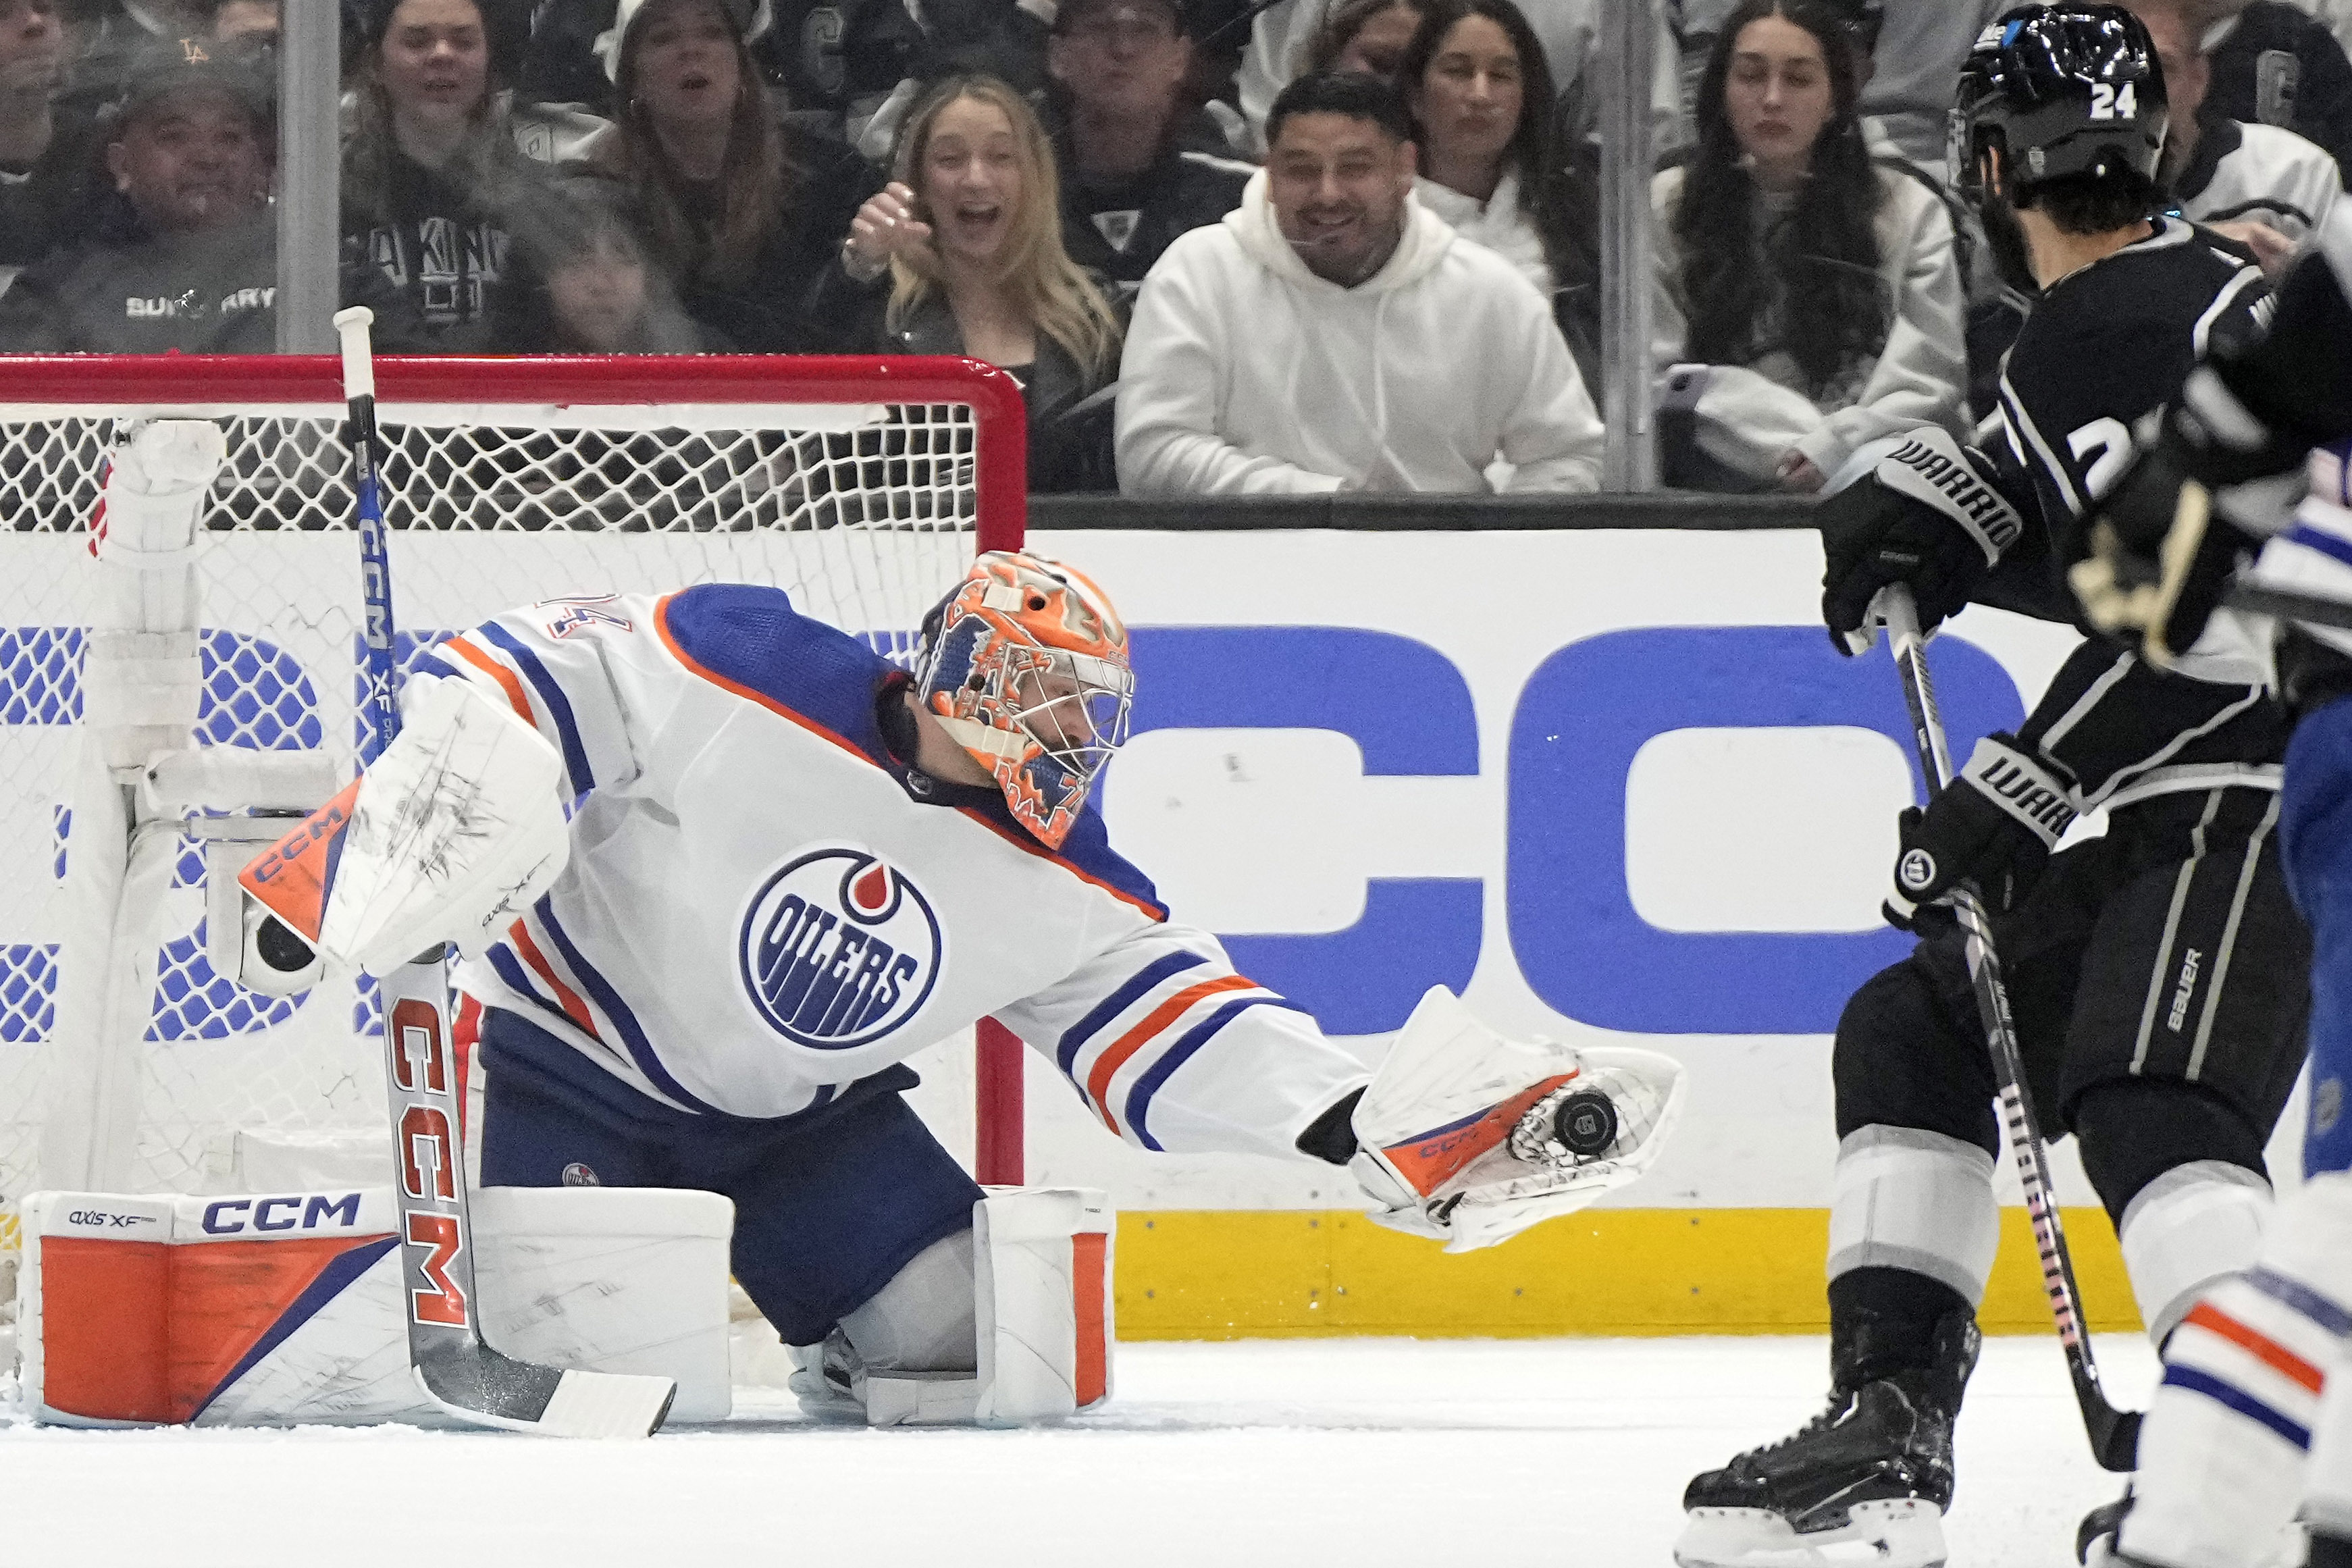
(458, 1372)
(2318, 609)
(2115, 1434)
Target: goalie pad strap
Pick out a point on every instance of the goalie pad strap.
(1930, 467)
(2016, 782)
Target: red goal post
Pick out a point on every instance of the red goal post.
(862, 485)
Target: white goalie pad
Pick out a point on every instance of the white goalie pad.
(277, 1308)
(1470, 1137)
(1041, 1311)
(448, 838)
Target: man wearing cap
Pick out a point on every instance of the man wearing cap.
(1137, 167)
(189, 260)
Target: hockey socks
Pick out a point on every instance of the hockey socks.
(2222, 1454)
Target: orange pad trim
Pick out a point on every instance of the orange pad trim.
(1434, 1158)
(1088, 1254)
(294, 876)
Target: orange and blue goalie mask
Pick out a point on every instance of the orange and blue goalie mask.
(1025, 667)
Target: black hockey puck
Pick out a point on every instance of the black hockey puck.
(275, 946)
(1587, 1123)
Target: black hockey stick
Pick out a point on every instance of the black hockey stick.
(2318, 609)
(460, 1373)
(2115, 1434)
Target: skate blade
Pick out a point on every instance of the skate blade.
(1902, 1532)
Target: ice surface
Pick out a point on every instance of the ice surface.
(1321, 1454)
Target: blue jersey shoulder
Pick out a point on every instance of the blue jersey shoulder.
(1089, 848)
(751, 637)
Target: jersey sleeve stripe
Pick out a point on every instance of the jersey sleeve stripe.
(559, 707)
(1115, 1056)
(2246, 278)
(1138, 1099)
(567, 998)
(1142, 981)
(632, 1034)
(426, 664)
(499, 673)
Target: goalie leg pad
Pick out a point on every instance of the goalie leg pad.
(1008, 1323)
(1466, 1135)
(449, 837)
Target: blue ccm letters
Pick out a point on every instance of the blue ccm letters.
(1584, 714)
(1408, 710)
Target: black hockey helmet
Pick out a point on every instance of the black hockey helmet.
(2053, 90)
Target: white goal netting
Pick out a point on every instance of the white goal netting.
(865, 512)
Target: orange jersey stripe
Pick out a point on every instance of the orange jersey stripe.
(497, 672)
(1126, 1045)
(574, 1007)
(2259, 1345)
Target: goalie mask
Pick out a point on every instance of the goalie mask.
(1024, 665)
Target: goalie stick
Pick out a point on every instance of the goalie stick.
(460, 1373)
(2114, 1434)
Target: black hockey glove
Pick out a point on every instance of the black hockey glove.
(1925, 517)
(2159, 555)
(1994, 827)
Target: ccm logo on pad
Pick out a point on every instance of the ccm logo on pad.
(302, 1211)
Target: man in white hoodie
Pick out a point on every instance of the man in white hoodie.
(1332, 333)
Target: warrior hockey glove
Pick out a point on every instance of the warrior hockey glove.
(1926, 517)
(1994, 826)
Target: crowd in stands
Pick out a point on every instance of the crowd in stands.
(1225, 247)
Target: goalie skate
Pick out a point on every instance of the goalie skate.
(1472, 1138)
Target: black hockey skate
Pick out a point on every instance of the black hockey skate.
(1867, 1480)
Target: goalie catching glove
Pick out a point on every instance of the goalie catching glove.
(1471, 1137)
(449, 838)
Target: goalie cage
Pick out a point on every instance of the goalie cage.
(862, 487)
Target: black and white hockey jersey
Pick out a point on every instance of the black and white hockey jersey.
(2103, 347)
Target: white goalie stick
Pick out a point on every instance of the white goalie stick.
(2114, 1434)
(460, 1373)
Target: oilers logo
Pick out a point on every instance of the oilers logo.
(838, 949)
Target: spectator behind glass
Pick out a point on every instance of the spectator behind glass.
(1139, 167)
(253, 21)
(1812, 299)
(743, 217)
(605, 293)
(1332, 334)
(962, 253)
(430, 169)
(1481, 96)
(187, 260)
(2261, 185)
(46, 150)
(1368, 36)
(2273, 65)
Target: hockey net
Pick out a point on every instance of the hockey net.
(862, 486)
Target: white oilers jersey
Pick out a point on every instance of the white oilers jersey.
(763, 905)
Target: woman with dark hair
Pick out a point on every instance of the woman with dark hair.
(1481, 95)
(1808, 301)
(432, 165)
(743, 215)
(605, 294)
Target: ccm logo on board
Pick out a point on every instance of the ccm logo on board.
(302, 1211)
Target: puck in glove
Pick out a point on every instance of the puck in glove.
(1587, 1123)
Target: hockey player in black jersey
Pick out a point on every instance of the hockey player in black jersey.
(2157, 973)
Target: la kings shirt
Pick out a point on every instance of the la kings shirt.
(2103, 346)
(764, 905)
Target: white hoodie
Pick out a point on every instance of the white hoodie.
(1246, 373)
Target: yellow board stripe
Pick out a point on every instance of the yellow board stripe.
(1242, 1274)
